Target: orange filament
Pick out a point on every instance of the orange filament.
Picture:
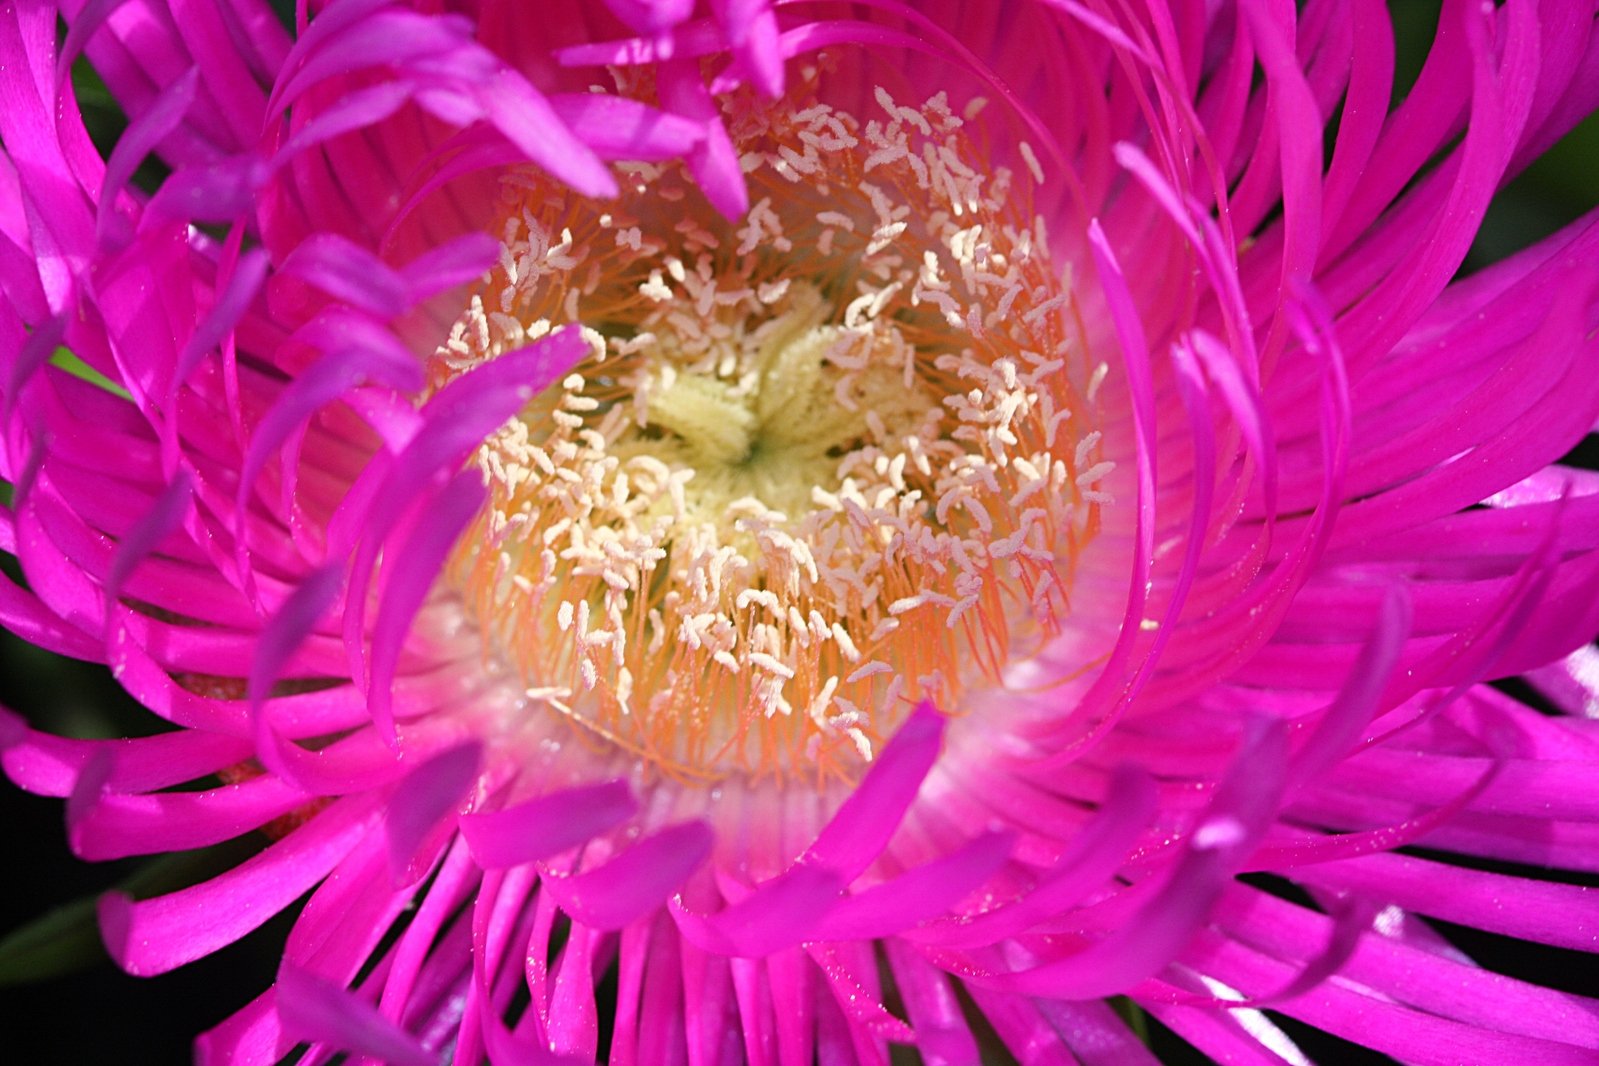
(824, 461)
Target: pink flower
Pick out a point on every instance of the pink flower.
(989, 508)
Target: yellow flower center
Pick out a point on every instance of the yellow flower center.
(823, 462)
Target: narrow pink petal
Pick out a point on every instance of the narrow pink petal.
(317, 1010)
(651, 16)
(23, 614)
(239, 97)
(349, 272)
(281, 638)
(156, 935)
(50, 765)
(574, 1024)
(1573, 682)
(546, 826)
(249, 1038)
(1095, 853)
(165, 516)
(347, 916)
(449, 264)
(410, 569)
(865, 822)
(780, 913)
(689, 41)
(110, 825)
(1355, 706)
(618, 128)
(1096, 1034)
(1386, 1026)
(1415, 971)
(943, 1036)
(392, 37)
(755, 1013)
(143, 134)
(455, 421)
(637, 881)
(356, 110)
(1140, 947)
(425, 798)
(919, 895)
(209, 192)
(752, 29)
(713, 162)
(1546, 913)
(359, 762)
(457, 876)
(528, 121)
(1229, 1037)
(1023, 1028)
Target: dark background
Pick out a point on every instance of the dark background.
(65, 1003)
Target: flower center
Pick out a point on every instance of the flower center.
(823, 462)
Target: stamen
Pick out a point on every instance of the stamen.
(823, 462)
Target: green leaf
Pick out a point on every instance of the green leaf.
(1133, 1015)
(78, 368)
(66, 939)
(61, 941)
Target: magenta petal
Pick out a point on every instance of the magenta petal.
(349, 272)
(448, 265)
(574, 1024)
(156, 935)
(528, 121)
(942, 1035)
(861, 829)
(170, 509)
(319, 1011)
(690, 40)
(1096, 852)
(213, 192)
(1023, 1027)
(546, 826)
(356, 110)
(752, 27)
(626, 129)
(290, 627)
(1148, 941)
(248, 1038)
(852, 973)
(919, 895)
(411, 569)
(779, 914)
(282, 636)
(455, 421)
(109, 825)
(507, 1049)
(651, 16)
(1353, 709)
(144, 133)
(1558, 914)
(25, 616)
(1572, 682)
(637, 881)
(50, 765)
(714, 162)
(423, 799)
(244, 280)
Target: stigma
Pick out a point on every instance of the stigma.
(823, 462)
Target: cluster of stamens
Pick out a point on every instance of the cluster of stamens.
(824, 461)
